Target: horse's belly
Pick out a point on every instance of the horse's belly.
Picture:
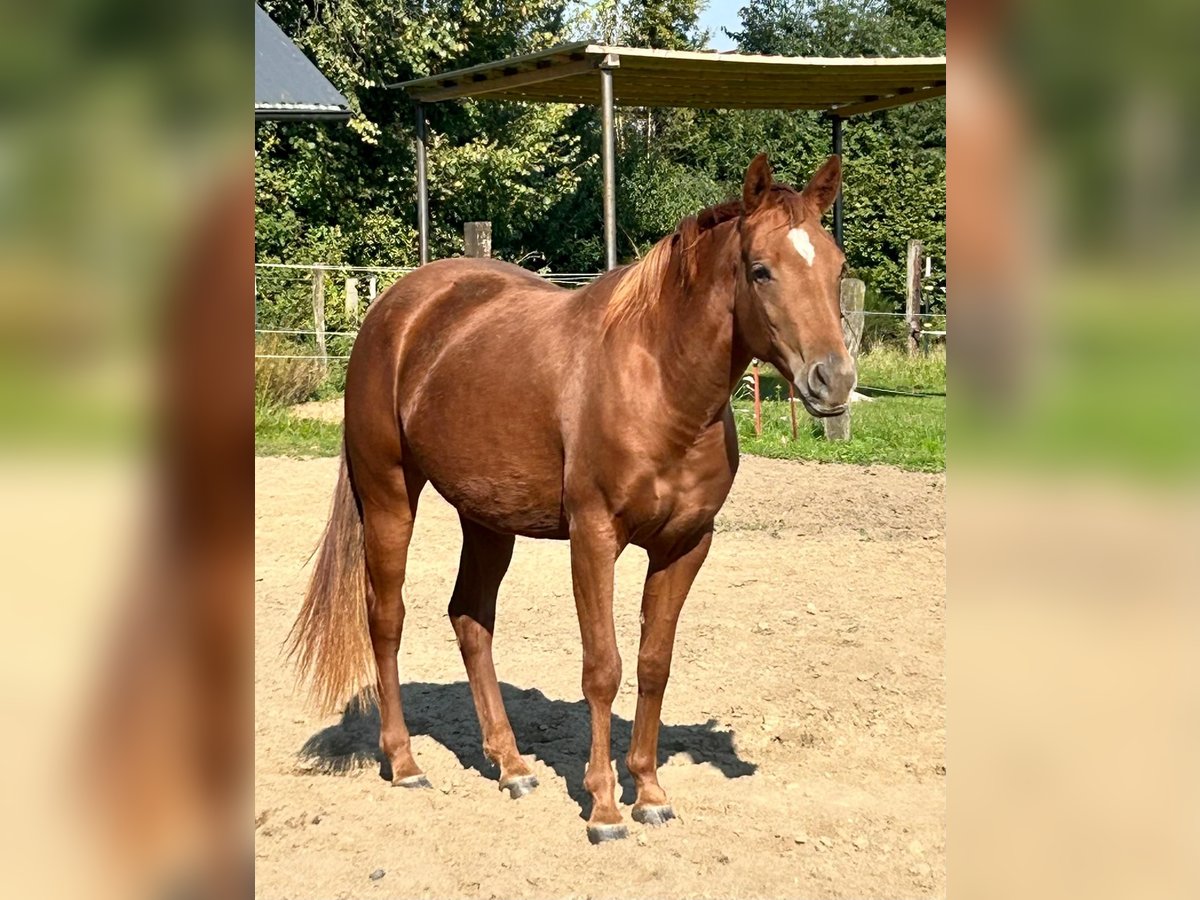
(487, 436)
(506, 502)
(510, 486)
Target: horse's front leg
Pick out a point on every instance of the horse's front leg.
(668, 580)
(594, 550)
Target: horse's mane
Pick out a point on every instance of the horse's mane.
(641, 284)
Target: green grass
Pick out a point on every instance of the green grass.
(893, 369)
(909, 432)
(278, 432)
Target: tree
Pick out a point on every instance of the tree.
(665, 24)
(657, 24)
(843, 27)
(335, 193)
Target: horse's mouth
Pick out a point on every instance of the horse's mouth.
(820, 412)
(815, 409)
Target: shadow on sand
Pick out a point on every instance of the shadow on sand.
(557, 732)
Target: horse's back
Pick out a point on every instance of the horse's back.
(465, 361)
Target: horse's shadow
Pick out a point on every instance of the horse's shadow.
(557, 732)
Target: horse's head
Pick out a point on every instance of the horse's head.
(787, 301)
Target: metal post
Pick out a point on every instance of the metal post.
(608, 152)
(422, 188)
(837, 202)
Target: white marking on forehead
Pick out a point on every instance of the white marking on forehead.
(800, 240)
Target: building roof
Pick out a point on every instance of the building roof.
(566, 74)
(286, 84)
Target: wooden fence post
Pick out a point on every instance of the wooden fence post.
(912, 301)
(477, 238)
(351, 299)
(853, 295)
(372, 289)
(318, 299)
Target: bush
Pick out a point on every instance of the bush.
(282, 381)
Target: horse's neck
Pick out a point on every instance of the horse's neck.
(701, 355)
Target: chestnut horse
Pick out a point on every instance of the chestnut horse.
(599, 415)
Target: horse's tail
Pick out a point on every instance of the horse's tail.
(331, 639)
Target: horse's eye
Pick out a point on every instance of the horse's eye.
(760, 273)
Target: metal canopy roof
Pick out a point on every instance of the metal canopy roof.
(286, 84)
(567, 74)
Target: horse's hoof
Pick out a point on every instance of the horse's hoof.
(520, 786)
(653, 815)
(598, 834)
(412, 782)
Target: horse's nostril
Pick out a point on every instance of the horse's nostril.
(818, 381)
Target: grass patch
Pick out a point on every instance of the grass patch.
(908, 432)
(278, 432)
(893, 369)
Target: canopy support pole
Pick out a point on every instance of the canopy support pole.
(422, 187)
(837, 202)
(608, 153)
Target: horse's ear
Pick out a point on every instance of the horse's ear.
(822, 189)
(757, 184)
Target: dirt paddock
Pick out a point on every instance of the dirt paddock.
(803, 731)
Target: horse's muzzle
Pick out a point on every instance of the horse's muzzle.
(826, 385)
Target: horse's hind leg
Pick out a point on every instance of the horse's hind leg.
(485, 559)
(388, 511)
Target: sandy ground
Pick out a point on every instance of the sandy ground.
(804, 725)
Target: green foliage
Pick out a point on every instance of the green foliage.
(658, 24)
(853, 27)
(889, 201)
(333, 193)
(665, 25)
